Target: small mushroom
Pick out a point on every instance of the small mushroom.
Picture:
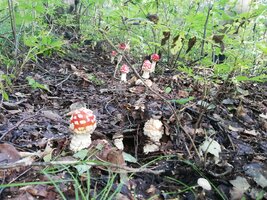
(118, 140)
(122, 48)
(155, 58)
(112, 56)
(204, 183)
(154, 130)
(82, 124)
(124, 71)
(146, 69)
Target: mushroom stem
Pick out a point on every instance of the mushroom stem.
(153, 66)
(80, 141)
(123, 77)
(145, 74)
(112, 59)
(117, 66)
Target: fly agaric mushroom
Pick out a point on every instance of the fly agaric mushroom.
(124, 71)
(122, 47)
(146, 69)
(155, 58)
(154, 130)
(82, 124)
(112, 56)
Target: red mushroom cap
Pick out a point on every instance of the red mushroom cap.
(124, 46)
(146, 65)
(124, 68)
(114, 53)
(82, 121)
(155, 57)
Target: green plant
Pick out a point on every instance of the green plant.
(36, 85)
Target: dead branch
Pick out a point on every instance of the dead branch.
(120, 168)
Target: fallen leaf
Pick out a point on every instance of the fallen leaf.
(129, 158)
(240, 186)
(52, 115)
(257, 172)
(8, 153)
(212, 147)
(235, 129)
(251, 132)
(264, 116)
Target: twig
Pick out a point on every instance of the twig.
(63, 80)
(122, 169)
(205, 30)
(156, 93)
(17, 125)
(13, 24)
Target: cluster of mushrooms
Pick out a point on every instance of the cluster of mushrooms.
(83, 124)
(83, 121)
(148, 66)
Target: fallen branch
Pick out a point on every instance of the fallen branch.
(121, 169)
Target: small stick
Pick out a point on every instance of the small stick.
(122, 169)
(17, 125)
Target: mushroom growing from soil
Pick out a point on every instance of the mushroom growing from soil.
(124, 70)
(155, 58)
(112, 56)
(82, 124)
(153, 129)
(122, 48)
(147, 68)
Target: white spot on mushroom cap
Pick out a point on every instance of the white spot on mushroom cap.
(82, 122)
(80, 116)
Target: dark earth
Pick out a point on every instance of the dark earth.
(234, 115)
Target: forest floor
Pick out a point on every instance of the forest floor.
(35, 119)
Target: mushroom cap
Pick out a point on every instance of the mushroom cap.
(155, 57)
(82, 121)
(204, 183)
(124, 46)
(146, 65)
(124, 68)
(114, 53)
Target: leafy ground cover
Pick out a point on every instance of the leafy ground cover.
(214, 113)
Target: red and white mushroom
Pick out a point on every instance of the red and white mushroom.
(122, 47)
(124, 70)
(155, 58)
(82, 124)
(112, 56)
(146, 69)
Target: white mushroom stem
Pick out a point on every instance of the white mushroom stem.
(145, 74)
(123, 77)
(117, 66)
(112, 59)
(153, 66)
(151, 147)
(80, 141)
